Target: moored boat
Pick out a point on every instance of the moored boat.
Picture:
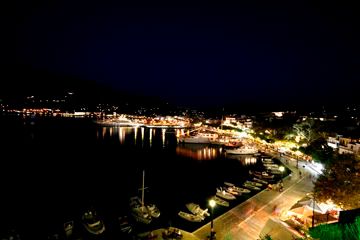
(260, 180)
(195, 209)
(250, 186)
(125, 225)
(190, 217)
(220, 201)
(232, 191)
(241, 190)
(254, 183)
(92, 223)
(242, 150)
(263, 175)
(229, 184)
(223, 194)
(141, 212)
(153, 210)
(198, 138)
(267, 160)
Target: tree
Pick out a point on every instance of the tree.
(305, 131)
(340, 182)
(319, 150)
(337, 231)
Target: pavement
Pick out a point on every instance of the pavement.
(248, 220)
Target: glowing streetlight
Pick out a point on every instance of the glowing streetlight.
(212, 204)
(282, 169)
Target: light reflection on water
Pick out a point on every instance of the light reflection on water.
(162, 137)
(152, 138)
(198, 151)
(244, 159)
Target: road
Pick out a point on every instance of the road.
(247, 220)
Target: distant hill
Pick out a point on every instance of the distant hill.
(22, 81)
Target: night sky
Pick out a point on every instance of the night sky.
(198, 55)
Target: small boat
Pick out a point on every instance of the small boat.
(92, 223)
(125, 226)
(232, 191)
(241, 190)
(271, 165)
(220, 201)
(195, 209)
(68, 228)
(260, 180)
(223, 194)
(139, 211)
(263, 175)
(267, 160)
(276, 171)
(254, 183)
(242, 150)
(190, 217)
(229, 184)
(250, 186)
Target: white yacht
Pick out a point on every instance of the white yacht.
(242, 150)
(199, 138)
(120, 121)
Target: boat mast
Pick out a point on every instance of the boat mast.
(142, 189)
(222, 120)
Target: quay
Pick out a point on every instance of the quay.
(249, 220)
(256, 216)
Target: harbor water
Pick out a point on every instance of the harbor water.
(55, 168)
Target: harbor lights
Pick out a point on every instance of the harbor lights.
(212, 204)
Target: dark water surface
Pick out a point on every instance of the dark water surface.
(53, 169)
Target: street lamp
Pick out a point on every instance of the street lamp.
(313, 211)
(212, 204)
(282, 169)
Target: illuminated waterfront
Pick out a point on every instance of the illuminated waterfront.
(87, 164)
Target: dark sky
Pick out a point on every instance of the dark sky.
(278, 55)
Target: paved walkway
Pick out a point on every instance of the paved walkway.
(246, 220)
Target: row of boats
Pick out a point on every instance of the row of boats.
(223, 194)
(145, 213)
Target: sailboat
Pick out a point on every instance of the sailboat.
(141, 212)
(221, 139)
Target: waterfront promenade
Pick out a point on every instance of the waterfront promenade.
(247, 220)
